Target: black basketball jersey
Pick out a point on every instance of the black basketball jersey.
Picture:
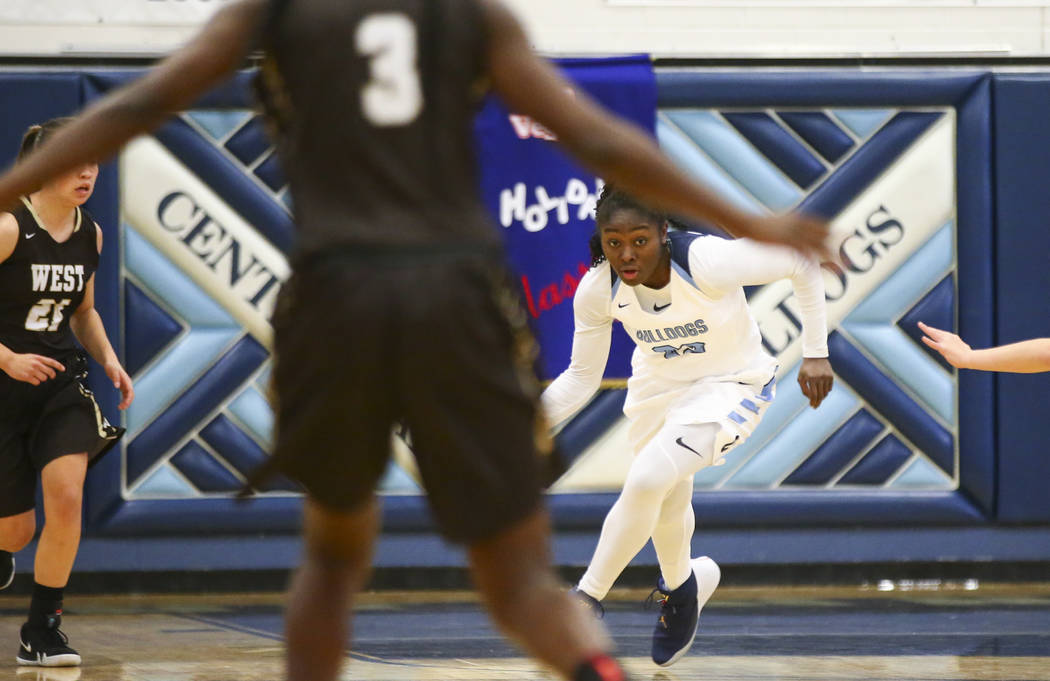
(42, 284)
(375, 101)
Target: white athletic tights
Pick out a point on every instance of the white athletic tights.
(656, 502)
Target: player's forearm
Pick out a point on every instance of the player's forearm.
(1025, 357)
(624, 155)
(568, 393)
(809, 292)
(5, 357)
(575, 386)
(87, 327)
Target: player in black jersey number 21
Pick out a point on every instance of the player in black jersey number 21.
(374, 102)
(50, 424)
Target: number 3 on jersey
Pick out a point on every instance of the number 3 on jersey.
(46, 315)
(393, 95)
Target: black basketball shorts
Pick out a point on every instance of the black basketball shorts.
(439, 344)
(39, 424)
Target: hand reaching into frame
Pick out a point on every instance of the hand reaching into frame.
(951, 347)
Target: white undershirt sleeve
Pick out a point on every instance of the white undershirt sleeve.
(719, 265)
(590, 350)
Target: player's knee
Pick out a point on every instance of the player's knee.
(648, 485)
(17, 532)
(62, 503)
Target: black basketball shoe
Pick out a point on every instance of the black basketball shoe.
(46, 646)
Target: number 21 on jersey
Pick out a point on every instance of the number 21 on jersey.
(46, 315)
(393, 95)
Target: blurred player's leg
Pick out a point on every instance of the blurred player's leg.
(513, 573)
(336, 565)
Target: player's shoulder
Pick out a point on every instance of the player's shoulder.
(598, 280)
(686, 247)
(8, 225)
(707, 247)
(593, 298)
(8, 234)
(699, 240)
(595, 288)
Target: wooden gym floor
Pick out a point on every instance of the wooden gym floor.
(923, 632)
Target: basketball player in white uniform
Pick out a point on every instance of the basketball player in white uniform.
(700, 382)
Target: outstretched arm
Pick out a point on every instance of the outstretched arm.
(1025, 357)
(720, 265)
(617, 150)
(218, 49)
(591, 340)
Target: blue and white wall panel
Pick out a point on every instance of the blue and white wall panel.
(198, 228)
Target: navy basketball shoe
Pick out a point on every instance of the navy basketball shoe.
(680, 611)
(46, 646)
(7, 569)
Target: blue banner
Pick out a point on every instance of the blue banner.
(543, 201)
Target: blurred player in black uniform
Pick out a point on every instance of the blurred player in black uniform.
(50, 424)
(397, 306)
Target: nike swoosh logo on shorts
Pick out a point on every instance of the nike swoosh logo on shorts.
(622, 304)
(682, 444)
(657, 308)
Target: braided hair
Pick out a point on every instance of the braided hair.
(36, 135)
(611, 200)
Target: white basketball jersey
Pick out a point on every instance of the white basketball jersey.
(694, 335)
(686, 338)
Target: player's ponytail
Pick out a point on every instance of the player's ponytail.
(29, 141)
(36, 135)
(597, 257)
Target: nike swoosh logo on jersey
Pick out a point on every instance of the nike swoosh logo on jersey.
(30, 236)
(622, 305)
(682, 444)
(657, 308)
